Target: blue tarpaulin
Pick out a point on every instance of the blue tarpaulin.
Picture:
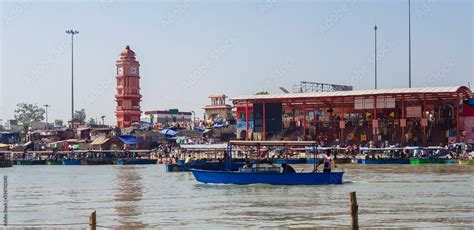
(168, 132)
(129, 139)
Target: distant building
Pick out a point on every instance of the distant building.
(128, 95)
(162, 116)
(218, 109)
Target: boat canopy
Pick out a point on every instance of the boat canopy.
(129, 139)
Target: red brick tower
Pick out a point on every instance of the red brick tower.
(128, 95)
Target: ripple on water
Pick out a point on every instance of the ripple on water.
(389, 196)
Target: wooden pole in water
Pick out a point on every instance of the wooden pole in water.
(92, 220)
(354, 209)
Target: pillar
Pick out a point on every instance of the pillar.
(403, 120)
(264, 131)
(457, 118)
(247, 121)
(304, 120)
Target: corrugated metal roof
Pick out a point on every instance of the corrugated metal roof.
(354, 93)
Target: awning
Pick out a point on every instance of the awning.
(3, 145)
(100, 141)
(168, 132)
(129, 139)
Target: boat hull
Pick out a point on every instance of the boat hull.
(466, 162)
(6, 164)
(383, 161)
(135, 161)
(418, 161)
(53, 162)
(96, 162)
(30, 162)
(71, 162)
(244, 178)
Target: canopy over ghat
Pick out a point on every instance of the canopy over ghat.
(315, 98)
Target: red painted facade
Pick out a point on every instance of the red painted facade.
(127, 95)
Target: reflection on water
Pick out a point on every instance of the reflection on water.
(389, 196)
(5, 200)
(129, 193)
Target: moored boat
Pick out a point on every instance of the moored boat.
(135, 161)
(419, 161)
(383, 161)
(30, 162)
(97, 161)
(71, 162)
(54, 162)
(5, 159)
(466, 162)
(291, 161)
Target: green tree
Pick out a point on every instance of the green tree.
(27, 113)
(80, 115)
(91, 122)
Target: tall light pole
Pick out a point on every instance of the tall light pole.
(72, 33)
(409, 44)
(375, 29)
(103, 117)
(46, 108)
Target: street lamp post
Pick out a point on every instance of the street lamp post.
(72, 33)
(103, 117)
(46, 109)
(194, 120)
(375, 30)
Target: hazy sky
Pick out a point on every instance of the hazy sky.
(189, 50)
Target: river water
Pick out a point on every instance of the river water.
(412, 196)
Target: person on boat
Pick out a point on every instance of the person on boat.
(248, 164)
(328, 162)
(287, 168)
(189, 160)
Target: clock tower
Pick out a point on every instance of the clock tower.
(128, 95)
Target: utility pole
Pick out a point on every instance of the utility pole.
(375, 29)
(409, 44)
(46, 109)
(72, 33)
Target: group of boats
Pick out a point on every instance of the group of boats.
(81, 158)
(247, 162)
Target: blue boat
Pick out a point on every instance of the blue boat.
(383, 161)
(71, 162)
(268, 175)
(274, 178)
(135, 161)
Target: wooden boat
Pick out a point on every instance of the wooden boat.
(383, 161)
(135, 161)
(30, 162)
(71, 162)
(5, 159)
(97, 161)
(269, 175)
(466, 162)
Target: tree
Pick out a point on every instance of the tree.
(91, 122)
(80, 115)
(27, 113)
(58, 123)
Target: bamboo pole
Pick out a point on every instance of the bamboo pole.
(354, 209)
(93, 221)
